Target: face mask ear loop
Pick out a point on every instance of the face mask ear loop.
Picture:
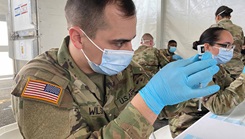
(91, 41)
(85, 55)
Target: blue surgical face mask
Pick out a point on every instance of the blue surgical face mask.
(224, 55)
(172, 49)
(113, 61)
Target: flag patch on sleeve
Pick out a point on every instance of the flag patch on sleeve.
(41, 90)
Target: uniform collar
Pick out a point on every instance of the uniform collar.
(225, 20)
(64, 57)
(66, 61)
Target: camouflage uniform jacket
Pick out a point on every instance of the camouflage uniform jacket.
(234, 67)
(78, 108)
(150, 59)
(167, 54)
(231, 93)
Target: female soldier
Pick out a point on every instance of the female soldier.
(223, 19)
(217, 41)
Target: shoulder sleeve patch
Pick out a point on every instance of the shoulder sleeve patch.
(41, 90)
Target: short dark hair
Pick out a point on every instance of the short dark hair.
(172, 41)
(89, 14)
(210, 35)
(224, 11)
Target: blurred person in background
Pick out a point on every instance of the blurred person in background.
(148, 56)
(170, 51)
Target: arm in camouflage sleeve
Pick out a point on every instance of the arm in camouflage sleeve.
(225, 100)
(35, 119)
(162, 59)
(130, 124)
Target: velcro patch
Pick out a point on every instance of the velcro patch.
(41, 90)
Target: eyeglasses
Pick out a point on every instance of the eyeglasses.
(227, 46)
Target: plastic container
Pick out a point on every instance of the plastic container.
(10, 131)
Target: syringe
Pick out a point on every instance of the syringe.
(200, 101)
(201, 51)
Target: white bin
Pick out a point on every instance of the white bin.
(10, 131)
(162, 133)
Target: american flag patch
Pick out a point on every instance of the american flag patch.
(41, 90)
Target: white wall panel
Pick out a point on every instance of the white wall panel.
(147, 17)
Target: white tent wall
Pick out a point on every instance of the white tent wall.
(181, 20)
(148, 19)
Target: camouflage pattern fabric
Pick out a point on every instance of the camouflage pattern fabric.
(231, 93)
(89, 106)
(150, 59)
(167, 54)
(186, 117)
(234, 67)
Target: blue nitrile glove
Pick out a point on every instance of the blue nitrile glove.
(176, 82)
(205, 56)
(176, 57)
(243, 71)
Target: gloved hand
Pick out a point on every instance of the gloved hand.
(243, 71)
(176, 57)
(204, 83)
(176, 82)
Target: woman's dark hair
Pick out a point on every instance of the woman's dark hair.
(210, 35)
(224, 11)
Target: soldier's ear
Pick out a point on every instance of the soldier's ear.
(207, 47)
(219, 17)
(76, 37)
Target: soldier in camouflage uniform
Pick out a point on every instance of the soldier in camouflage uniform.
(83, 90)
(231, 92)
(148, 56)
(222, 17)
(86, 109)
(169, 53)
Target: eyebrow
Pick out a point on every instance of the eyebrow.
(226, 42)
(122, 40)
